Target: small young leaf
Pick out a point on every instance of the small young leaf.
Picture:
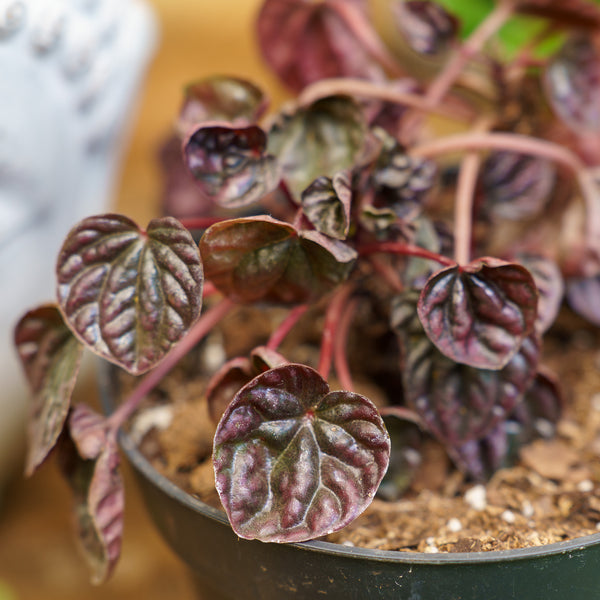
(572, 81)
(50, 355)
(225, 384)
(97, 488)
(583, 294)
(550, 285)
(481, 313)
(457, 403)
(294, 461)
(221, 98)
(427, 27)
(406, 439)
(128, 294)
(319, 140)
(260, 258)
(307, 41)
(516, 186)
(326, 204)
(263, 359)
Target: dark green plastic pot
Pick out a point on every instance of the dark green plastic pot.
(228, 568)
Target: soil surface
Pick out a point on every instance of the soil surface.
(552, 494)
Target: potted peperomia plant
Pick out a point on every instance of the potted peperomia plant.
(428, 267)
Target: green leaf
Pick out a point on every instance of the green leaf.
(261, 258)
(128, 294)
(51, 356)
(322, 139)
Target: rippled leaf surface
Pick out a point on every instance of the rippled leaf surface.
(129, 294)
(326, 203)
(294, 461)
(97, 488)
(319, 140)
(230, 164)
(221, 98)
(481, 313)
(458, 403)
(260, 258)
(573, 83)
(50, 356)
(426, 26)
(304, 41)
(516, 186)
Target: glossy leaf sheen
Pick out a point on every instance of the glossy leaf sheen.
(97, 488)
(320, 140)
(230, 165)
(481, 313)
(51, 356)
(129, 295)
(260, 258)
(573, 83)
(326, 203)
(294, 461)
(458, 403)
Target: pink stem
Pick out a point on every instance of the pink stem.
(486, 29)
(206, 322)
(388, 273)
(209, 289)
(356, 21)
(332, 317)
(286, 326)
(463, 208)
(405, 250)
(340, 358)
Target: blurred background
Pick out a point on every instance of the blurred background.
(160, 50)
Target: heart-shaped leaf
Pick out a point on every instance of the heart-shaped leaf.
(307, 41)
(550, 285)
(230, 165)
(516, 186)
(50, 355)
(481, 313)
(326, 204)
(572, 80)
(294, 461)
(583, 294)
(260, 258)
(406, 439)
(97, 488)
(221, 98)
(426, 26)
(457, 403)
(321, 139)
(129, 294)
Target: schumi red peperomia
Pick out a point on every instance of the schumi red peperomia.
(349, 202)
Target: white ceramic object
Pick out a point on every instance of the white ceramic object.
(69, 73)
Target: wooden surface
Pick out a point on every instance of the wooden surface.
(38, 559)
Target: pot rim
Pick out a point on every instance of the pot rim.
(141, 463)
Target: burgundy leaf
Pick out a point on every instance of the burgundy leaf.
(221, 98)
(88, 431)
(579, 14)
(304, 41)
(321, 139)
(426, 26)
(550, 285)
(572, 81)
(457, 403)
(230, 165)
(130, 295)
(516, 186)
(50, 355)
(583, 294)
(225, 384)
(406, 439)
(326, 202)
(294, 461)
(260, 258)
(97, 489)
(481, 313)
(263, 359)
